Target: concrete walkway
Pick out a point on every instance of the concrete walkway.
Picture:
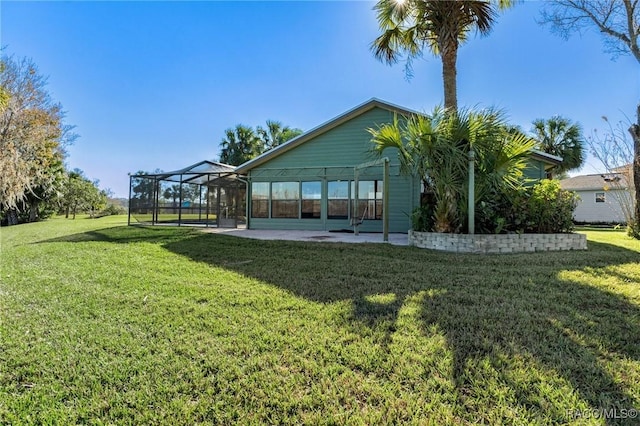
(332, 237)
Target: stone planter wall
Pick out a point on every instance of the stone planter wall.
(500, 243)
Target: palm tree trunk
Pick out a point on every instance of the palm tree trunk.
(449, 57)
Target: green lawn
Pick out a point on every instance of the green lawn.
(103, 323)
(172, 217)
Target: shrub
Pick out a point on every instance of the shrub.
(542, 208)
(422, 218)
(633, 229)
(111, 210)
(550, 208)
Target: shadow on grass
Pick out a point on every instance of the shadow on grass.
(490, 308)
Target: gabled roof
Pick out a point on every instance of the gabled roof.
(595, 182)
(323, 128)
(550, 160)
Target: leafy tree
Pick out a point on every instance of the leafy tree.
(617, 20)
(240, 145)
(435, 147)
(409, 27)
(619, 23)
(190, 192)
(82, 195)
(96, 198)
(276, 134)
(559, 136)
(172, 193)
(143, 190)
(4, 94)
(32, 132)
(44, 198)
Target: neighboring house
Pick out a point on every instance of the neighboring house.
(602, 197)
(308, 182)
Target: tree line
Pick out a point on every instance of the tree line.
(34, 181)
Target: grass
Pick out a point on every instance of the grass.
(173, 217)
(103, 323)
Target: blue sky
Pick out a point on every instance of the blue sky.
(155, 84)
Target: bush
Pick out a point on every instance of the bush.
(111, 210)
(542, 208)
(422, 218)
(550, 208)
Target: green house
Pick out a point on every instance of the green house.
(330, 179)
(327, 179)
(309, 183)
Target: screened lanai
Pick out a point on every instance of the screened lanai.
(204, 194)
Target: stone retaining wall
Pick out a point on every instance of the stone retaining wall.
(497, 243)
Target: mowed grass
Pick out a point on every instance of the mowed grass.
(172, 217)
(107, 324)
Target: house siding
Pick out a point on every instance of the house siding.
(591, 212)
(332, 156)
(535, 170)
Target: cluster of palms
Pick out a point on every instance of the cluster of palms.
(243, 143)
(436, 146)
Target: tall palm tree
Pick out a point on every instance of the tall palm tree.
(559, 136)
(412, 26)
(240, 145)
(276, 134)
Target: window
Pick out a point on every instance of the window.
(600, 197)
(285, 199)
(369, 199)
(260, 199)
(311, 197)
(338, 199)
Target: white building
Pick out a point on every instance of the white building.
(603, 197)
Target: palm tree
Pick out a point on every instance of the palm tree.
(240, 145)
(276, 134)
(435, 147)
(559, 136)
(411, 26)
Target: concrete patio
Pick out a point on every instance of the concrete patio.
(325, 236)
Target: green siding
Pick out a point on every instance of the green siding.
(333, 156)
(535, 170)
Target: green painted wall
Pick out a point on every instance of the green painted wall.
(332, 156)
(535, 170)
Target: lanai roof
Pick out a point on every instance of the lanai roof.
(199, 173)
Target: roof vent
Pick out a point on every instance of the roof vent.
(611, 178)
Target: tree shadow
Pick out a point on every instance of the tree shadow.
(492, 310)
(128, 234)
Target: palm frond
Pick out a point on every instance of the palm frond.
(560, 136)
